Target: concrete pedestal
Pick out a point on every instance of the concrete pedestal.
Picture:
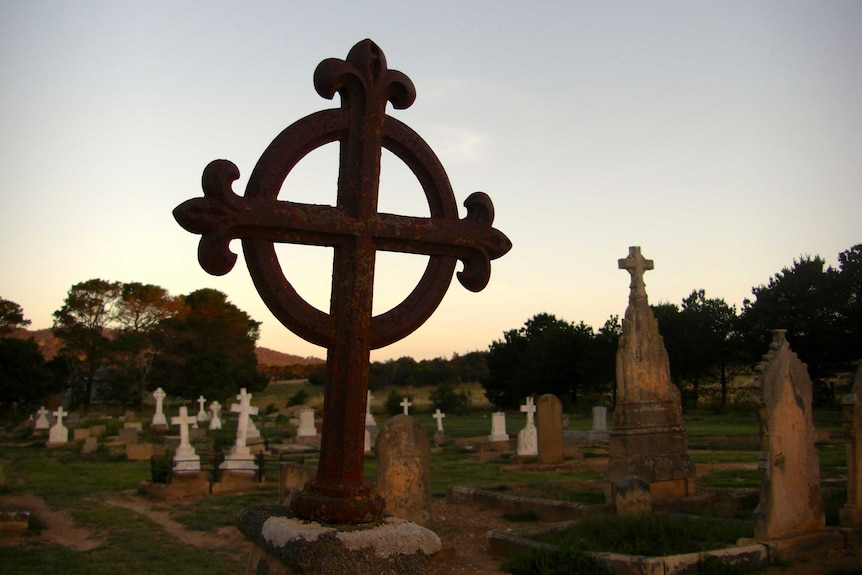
(287, 545)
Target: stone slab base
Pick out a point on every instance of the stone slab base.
(286, 545)
(180, 487)
(794, 548)
(236, 482)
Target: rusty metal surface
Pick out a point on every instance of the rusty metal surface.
(356, 231)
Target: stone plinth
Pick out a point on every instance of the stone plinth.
(236, 482)
(550, 430)
(286, 545)
(851, 513)
(181, 486)
(404, 469)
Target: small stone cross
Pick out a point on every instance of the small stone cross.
(60, 414)
(636, 265)
(405, 403)
(202, 410)
(42, 412)
(215, 422)
(530, 410)
(184, 420)
(244, 408)
(438, 415)
(159, 394)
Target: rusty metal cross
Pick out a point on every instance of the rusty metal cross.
(356, 231)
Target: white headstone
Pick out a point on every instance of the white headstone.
(405, 403)
(159, 416)
(306, 423)
(240, 457)
(528, 437)
(368, 445)
(58, 432)
(369, 419)
(600, 418)
(42, 421)
(498, 427)
(215, 421)
(202, 410)
(185, 459)
(438, 415)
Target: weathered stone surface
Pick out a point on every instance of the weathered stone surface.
(851, 513)
(632, 496)
(139, 451)
(498, 427)
(550, 434)
(404, 469)
(790, 499)
(285, 545)
(648, 439)
(292, 477)
(91, 444)
(80, 434)
(184, 485)
(127, 435)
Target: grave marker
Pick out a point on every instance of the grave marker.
(851, 513)
(185, 459)
(306, 423)
(439, 415)
(202, 410)
(404, 469)
(356, 230)
(58, 433)
(215, 420)
(498, 427)
(405, 404)
(528, 439)
(240, 458)
(550, 430)
(159, 415)
(648, 439)
(42, 421)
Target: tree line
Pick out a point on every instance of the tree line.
(708, 342)
(116, 338)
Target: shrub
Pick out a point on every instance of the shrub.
(298, 398)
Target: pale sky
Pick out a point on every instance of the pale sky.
(725, 138)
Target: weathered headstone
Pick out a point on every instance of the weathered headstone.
(632, 496)
(550, 414)
(648, 439)
(369, 417)
(404, 469)
(80, 433)
(600, 418)
(202, 410)
(139, 451)
(528, 439)
(405, 405)
(127, 435)
(851, 513)
(240, 458)
(58, 433)
(306, 423)
(498, 427)
(42, 419)
(159, 416)
(91, 444)
(215, 420)
(790, 500)
(186, 460)
(440, 436)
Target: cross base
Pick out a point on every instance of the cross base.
(340, 505)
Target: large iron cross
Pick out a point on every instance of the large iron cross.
(356, 230)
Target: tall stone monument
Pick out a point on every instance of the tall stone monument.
(851, 513)
(159, 418)
(790, 501)
(550, 428)
(356, 230)
(648, 440)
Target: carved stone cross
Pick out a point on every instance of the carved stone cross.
(636, 265)
(530, 410)
(356, 231)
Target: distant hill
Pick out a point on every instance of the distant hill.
(50, 346)
(266, 356)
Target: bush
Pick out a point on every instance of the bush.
(298, 398)
(450, 399)
(393, 402)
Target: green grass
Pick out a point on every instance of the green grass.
(650, 534)
(210, 513)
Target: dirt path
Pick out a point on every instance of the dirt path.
(58, 528)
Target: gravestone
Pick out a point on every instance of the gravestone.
(58, 434)
(404, 469)
(600, 418)
(202, 410)
(91, 444)
(498, 427)
(136, 425)
(369, 417)
(405, 404)
(127, 435)
(339, 494)
(528, 440)
(851, 513)
(632, 496)
(440, 436)
(185, 459)
(240, 458)
(42, 419)
(98, 430)
(648, 439)
(306, 423)
(790, 500)
(159, 415)
(80, 433)
(550, 414)
(139, 451)
(215, 420)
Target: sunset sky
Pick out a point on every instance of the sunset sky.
(725, 138)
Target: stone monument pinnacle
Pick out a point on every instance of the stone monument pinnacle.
(636, 265)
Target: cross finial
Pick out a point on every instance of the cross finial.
(636, 265)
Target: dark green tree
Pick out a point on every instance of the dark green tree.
(546, 355)
(208, 348)
(11, 317)
(82, 325)
(806, 300)
(25, 378)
